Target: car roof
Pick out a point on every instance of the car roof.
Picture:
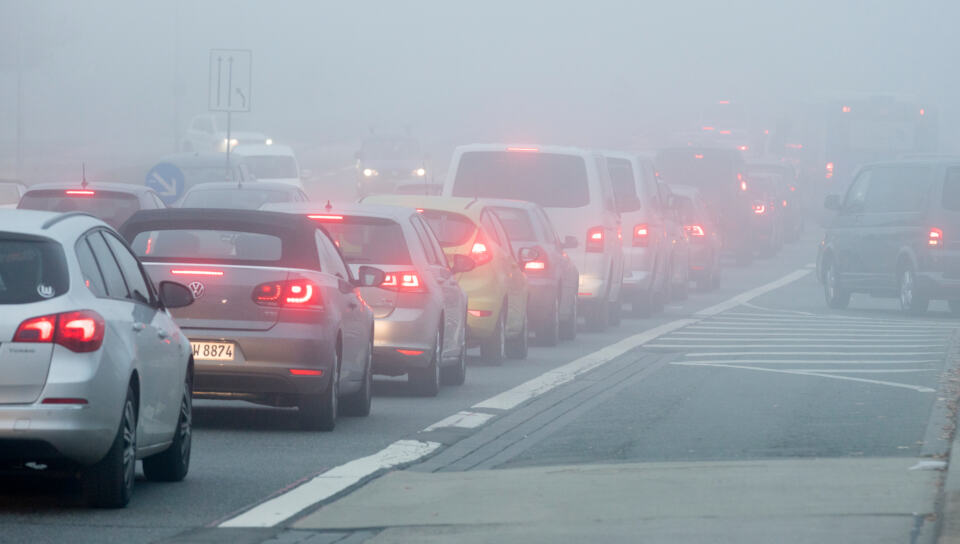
(396, 213)
(129, 188)
(49, 224)
(249, 185)
(684, 190)
(509, 203)
(197, 158)
(470, 207)
(274, 150)
(534, 148)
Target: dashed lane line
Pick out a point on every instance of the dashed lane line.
(795, 372)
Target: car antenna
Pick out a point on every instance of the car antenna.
(83, 175)
(328, 207)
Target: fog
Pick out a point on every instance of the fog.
(114, 83)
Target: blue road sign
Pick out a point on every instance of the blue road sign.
(167, 180)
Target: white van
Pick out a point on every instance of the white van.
(573, 186)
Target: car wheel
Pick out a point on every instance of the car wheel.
(319, 412)
(109, 483)
(911, 300)
(172, 464)
(456, 374)
(358, 404)
(597, 315)
(568, 326)
(426, 381)
(493, 349)
(836, 296)
(548, 334)
(518, 346)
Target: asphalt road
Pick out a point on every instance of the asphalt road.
(763, 380)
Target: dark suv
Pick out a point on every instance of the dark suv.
(896, 234)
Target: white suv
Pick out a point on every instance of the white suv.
(573, 186)
(94, 373)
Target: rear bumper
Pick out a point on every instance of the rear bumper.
(701, 261)
(44, 433)
(638, 269)
(542, 297)
(595, 273)
(262, 362)
(409, 329)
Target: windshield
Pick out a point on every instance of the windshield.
(368, 240)
(206, 174)
(624, 184)
(549, 179)
(517, 224)
(112, 207)
(452, 229)
(215, 246)
(272, 166)
(713, 172)
(393, 149)
(31, 270)
(239, 199)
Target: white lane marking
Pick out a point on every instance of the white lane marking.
(863, 370)
(280, 508)
(857, 353)
(463, 420)
(778, 311)
(738, 317)
(808, 361)
(751, 294)
(812, 335)
(779, 345)
(710, 326)
(549, 380)
(328, 484)
(917, 388)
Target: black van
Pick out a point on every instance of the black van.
(896, 234)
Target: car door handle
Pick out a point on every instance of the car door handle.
(138, 327)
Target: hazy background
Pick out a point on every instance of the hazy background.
(114, 82)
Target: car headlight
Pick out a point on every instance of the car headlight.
(420, 172)
(268, 141)
(369, 172)
(233, 142)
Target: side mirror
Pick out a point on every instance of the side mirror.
(569, 242)
(462, 263)
(528, 254)
(368, 276)
(175, 295)
(832, 202)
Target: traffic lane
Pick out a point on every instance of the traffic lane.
(245, 453)
(724, 398)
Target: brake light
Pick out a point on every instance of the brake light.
(287, 294)
(480, 253)
(698, 156)
(306, 372)
(81, 331)
(595, 240)
(480, 313)
(523, 149)
(743, 182)
(80, 192)
(725, 132)
(641, 235)
(708, 128)
(829, 170)
(694, 230)
(743, 147)
(64, 400)
(759, 208)
(402, 281)
(410, 352)
(325, 217)
(935, 238)
(196, 272)
(845, 109)
(784, 203)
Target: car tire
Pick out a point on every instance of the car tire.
(568, 326)
(597, 315)
(456, 374)
(172, 464)
(912, 301)
(318, 412)
(493, 349)
(109, 482)
(358, 404)
(518, 346)
(426, 381)
(836, 296)
(548, 334)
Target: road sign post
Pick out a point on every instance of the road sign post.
(231, 82)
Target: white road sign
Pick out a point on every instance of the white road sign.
(231, 79)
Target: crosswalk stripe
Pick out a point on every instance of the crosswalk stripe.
(813, 362)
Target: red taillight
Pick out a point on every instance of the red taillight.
(326, 217)
(480, 253)
(845, 109)
(480, 313)
(595, 240)
(783, 203)
(694, 230)
(80, 331)
(641, 235)
(80, 192)
(743, 182)
(523, 149)
(64, 400)
(743, 147)
(195, 272)
(829, 170)
(288, 294)
(759, 208)
(402, 281)
(935, 238)
(410, 352)
(305, 372)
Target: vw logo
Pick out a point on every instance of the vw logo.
(196, 288)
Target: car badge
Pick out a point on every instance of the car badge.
(45, 291)
(196, 288)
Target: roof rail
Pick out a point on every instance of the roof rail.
(54, 220)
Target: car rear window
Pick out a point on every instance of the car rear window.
(271, 166)
(624, 184)
(951, 190)
(452, 229)
(236, 199)
(112, 207)
(517, 223)
(713, 172)
(364, 240)
(552, 180)
(220, 246)
(31, 269)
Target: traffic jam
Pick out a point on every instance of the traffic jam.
(328, 338)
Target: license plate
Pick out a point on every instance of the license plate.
(212, 351)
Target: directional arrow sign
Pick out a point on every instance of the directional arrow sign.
(167, 180)
(231, 78)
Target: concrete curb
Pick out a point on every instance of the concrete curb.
(948, 519)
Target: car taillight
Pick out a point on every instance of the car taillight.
(759, 208)
(935, 238)
(80, 192)
(81, 331)
(694, 230)
(480, 253)
(402, 281)
(829, 170)
(641, 235)
(594, 240)
(743, 182)
(287, 294)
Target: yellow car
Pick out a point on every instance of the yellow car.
(497, 288)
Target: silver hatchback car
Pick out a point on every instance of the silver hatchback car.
(93, 370)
